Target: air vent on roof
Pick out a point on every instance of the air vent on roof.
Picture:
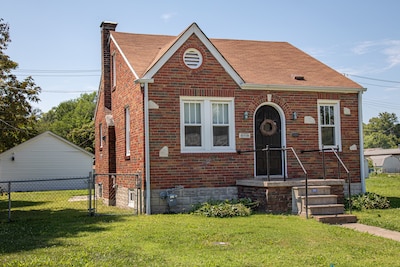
(192, 58)
(299, 78)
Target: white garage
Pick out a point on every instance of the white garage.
(45, 157)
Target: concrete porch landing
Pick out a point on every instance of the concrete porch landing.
(278, 196)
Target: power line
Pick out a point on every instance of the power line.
(55, 71)
(50, 91)
(369, 78)
(378, 85)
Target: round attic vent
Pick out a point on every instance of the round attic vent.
(192, 58)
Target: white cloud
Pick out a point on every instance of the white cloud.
(390, 49)
(167, 16)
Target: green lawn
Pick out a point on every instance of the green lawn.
(389, 186)
(59, 233)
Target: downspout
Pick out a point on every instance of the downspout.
(360, 126)
(144, 83)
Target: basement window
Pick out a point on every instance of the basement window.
(192, 58)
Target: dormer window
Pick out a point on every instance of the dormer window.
(192, 58)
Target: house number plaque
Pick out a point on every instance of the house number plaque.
(244, 135)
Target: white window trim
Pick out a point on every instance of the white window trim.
(131, 198)
(101, 135)
(206, 125)
(338, 135)
(127, 132)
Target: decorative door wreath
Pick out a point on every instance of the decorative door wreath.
(268, 127)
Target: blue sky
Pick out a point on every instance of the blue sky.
(58, 42)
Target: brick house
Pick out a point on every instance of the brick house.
(219, 119)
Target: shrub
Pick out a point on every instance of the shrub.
(368, 201)
(227, 208)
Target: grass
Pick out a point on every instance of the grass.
(59, 233)
(387, 185)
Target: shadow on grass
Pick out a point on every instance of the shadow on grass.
(394, 202)
(35, 229)
(19, 204)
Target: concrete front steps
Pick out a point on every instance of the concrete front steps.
(322, 205)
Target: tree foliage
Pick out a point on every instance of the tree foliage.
(382, 131)
(73, 120)
(17, 117)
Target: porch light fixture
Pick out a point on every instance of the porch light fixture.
(13, 157)
(246, 115)
(294, 115)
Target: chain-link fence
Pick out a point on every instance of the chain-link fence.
(27, 199)
(99, 194)
(117, 193)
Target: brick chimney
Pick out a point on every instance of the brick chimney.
(106, 28)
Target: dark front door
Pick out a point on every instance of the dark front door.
(267, 131)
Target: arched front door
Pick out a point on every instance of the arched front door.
(268, 131)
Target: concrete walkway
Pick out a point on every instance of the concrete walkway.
(373, 230)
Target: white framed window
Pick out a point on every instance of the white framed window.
(207, 124)
(131, 198)
(329, 124)
(127, 132)
(101, 136)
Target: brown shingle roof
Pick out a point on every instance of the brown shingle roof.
(257, 62)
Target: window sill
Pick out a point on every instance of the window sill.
(208, 151)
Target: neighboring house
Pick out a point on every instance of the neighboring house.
(45, 157)
(384, 160)
(385, 164)
(178, 109)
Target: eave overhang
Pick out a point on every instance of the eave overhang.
(297, 88)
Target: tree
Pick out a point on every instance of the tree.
(17, 116)
(382, 131)
(73, 120)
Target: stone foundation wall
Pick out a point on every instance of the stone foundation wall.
(187, 197)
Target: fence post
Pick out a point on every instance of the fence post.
(9, 201)
(90, 189)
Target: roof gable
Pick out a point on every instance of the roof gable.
(46, 134)
(156, 50)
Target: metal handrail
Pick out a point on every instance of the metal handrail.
(348, 177)
(305, 172)
(340, 162)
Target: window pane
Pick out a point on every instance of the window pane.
(220, 113)
(192, 113)
(328, 136)
(215, 113)
(192, 136)
(221, 136)
(226, 120)
(321, 112)
(332, 115)
(186, 112)
(198, 113)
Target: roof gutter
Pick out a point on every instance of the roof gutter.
(144, 83)
(276, 87)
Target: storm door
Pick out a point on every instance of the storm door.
(267, 132)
